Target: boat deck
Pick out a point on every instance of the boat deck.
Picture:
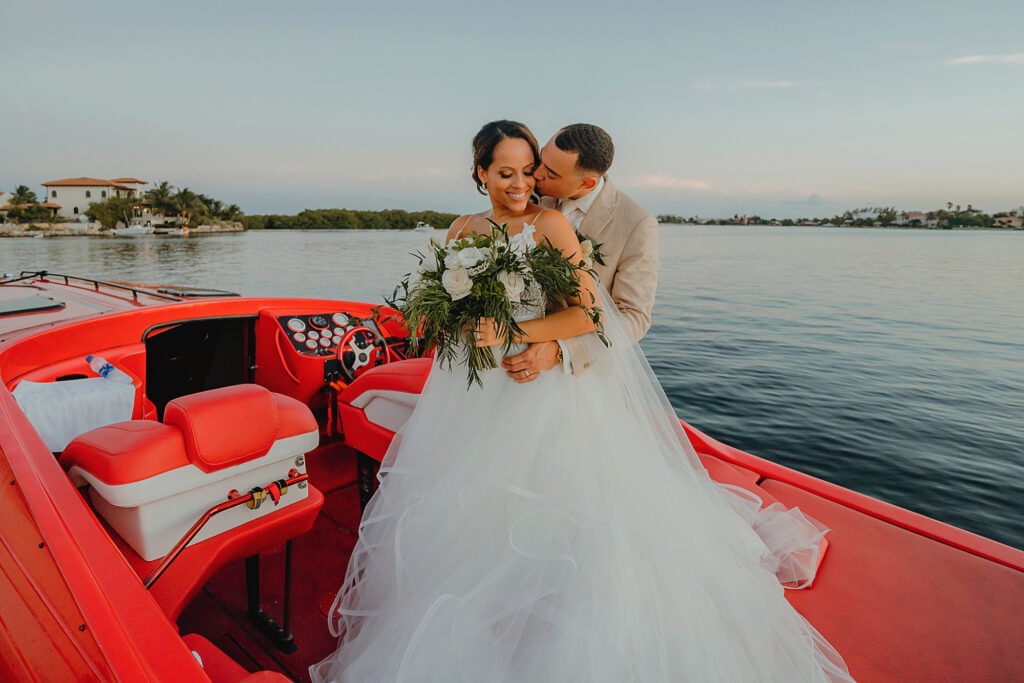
(319, 559)
(900, 596)
(877, 598)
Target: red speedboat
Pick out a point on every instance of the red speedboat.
(191, 520)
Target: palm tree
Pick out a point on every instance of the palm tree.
(161, 197)
(22, 195)
(187, 203)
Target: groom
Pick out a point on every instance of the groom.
(571, 176)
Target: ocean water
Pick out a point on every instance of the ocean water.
(890, 362)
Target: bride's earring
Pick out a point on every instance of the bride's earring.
(485, 187)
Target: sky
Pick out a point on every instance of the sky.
(780, 109)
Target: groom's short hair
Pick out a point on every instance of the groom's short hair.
(592, 144)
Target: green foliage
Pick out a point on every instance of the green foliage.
(110, 212)
(26, 207)
(482, 276)
(193, 207)
(348, 219)
(23, 195)
(29, 213)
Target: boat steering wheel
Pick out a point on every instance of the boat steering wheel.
(360, 349)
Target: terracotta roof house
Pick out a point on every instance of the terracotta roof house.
(72, 196)
(4, 208)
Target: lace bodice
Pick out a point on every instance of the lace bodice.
(531, 303)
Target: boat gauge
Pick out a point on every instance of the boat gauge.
(336, 339)
(313, 334)
(299, 337)
(338, 331)
(325, 341)
(311, 344)
(296, 325)
(340, 319)
(319, 321)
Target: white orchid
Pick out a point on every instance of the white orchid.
(451, 259)
(523, 240)
(426, 266)
(470, 256)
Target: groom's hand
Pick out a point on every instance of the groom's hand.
(524, 367)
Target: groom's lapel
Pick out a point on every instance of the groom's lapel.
(602, 211)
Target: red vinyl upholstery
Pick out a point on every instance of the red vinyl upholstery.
(406, 376)
(106, 452)
(226, 426)
(151, 481)
(194, 431)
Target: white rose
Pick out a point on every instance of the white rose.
(457, 282)
(470, 256)
(514, 284)
(451, 259)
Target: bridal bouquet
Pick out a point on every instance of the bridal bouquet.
(483, 275)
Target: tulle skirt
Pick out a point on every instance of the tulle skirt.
(563, 530)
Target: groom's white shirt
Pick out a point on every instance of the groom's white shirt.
(575, 210)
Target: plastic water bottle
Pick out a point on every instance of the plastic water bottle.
(104, 369)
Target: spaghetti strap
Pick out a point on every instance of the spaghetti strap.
(464, 219)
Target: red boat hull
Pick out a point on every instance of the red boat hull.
(901, 596)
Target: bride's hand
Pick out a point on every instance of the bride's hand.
(487, 333)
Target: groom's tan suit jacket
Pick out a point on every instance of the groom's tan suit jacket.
(628, 235)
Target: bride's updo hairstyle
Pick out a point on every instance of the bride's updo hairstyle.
(488, 138)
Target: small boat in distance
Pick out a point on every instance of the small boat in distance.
(423, 227)
(134, 230)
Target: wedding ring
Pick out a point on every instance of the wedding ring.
(526, 373)
(478, 336)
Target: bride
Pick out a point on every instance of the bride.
(562, 529)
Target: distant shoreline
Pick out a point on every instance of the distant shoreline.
(92, 230)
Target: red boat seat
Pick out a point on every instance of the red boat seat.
(378, 402)
(152, 481)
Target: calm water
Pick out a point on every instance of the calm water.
(890, 362)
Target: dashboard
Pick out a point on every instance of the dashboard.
(318, 334)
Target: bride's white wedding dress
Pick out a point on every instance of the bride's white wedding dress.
(564, 530)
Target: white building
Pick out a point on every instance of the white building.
(74, 195)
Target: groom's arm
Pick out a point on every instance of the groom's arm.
(633, 288)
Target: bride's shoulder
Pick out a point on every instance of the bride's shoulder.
(464, 224)
(551, 223)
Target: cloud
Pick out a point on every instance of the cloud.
(755, 85)
(813, 200)
(1015, 59)
(766, 84)
(663, 181)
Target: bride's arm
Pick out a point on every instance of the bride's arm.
(567, 322)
